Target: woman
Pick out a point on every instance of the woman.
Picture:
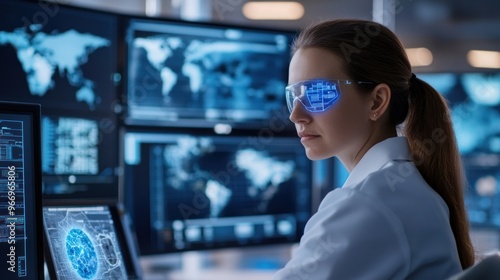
(400, 214)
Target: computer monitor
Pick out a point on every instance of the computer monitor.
(187, 191)
(474, 99)
(21, 254)
(79, 158)
(88, 241)
(65, 58)
(62, 57)
(200, 74)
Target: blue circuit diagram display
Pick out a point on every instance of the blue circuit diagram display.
(83, 243)
(12, 197)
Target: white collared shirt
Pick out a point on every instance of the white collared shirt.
(386, 222)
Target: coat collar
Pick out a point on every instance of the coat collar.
(395, 148)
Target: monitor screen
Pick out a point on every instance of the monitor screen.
(79, 158)
(474, 99)
(192, 192)
(65, 59)
(20, 188)
(61, 57)
(87, 242)
(187, 74)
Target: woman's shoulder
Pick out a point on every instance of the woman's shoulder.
(397, 179)
(400, 185)
(391, 193)
(357, 203)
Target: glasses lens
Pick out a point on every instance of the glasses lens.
(290, 97)
(315, 95)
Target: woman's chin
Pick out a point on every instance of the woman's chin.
(315, 155)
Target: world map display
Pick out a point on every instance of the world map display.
(42, 55)
(224, 62)
(189, 191)
(205, 73)
(256, 174)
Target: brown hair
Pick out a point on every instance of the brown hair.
(371, 52)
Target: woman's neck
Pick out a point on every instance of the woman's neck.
(351, 158)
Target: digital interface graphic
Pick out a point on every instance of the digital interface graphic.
(182, 72)
(474, 100)
(83, 243)
(316, 95)
(70, 146)
(13, 237)
(209, 191)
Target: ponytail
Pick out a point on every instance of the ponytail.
(433, 146)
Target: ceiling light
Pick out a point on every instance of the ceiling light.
(419, 56)
(153, 8)
(484, 59)
(273, 10)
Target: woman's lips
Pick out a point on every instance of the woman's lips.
(304, 137)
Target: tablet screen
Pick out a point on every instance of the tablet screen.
(83, 243)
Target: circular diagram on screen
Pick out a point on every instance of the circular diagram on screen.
(81, 253)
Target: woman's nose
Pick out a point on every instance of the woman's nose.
(299, 113)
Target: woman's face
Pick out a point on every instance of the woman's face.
(342, 129)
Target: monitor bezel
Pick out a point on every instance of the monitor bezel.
(33, 110)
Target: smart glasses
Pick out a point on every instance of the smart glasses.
(316, 95)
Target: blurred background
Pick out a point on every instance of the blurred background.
(165, 123)
(448, 29)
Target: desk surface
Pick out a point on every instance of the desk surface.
(211, 274)
(230, 264)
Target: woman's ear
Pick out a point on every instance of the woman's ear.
(380, 97)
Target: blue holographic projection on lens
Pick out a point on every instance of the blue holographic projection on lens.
(321, 95)
(81, 253)
(316, 95)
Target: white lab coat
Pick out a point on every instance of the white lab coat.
(386, 222)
